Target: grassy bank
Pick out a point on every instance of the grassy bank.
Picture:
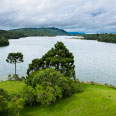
(96, 100)
(12, 86)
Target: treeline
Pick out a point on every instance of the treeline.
(3, 41)
(11, 35)
(5, 35)
(111, 38)
(40, 31)
(26, 32)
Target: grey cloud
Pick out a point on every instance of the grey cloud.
(72, 15)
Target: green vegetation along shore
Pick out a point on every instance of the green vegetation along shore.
(40, 31)
(6, 35)
(95, 100)
(3, 42)
(110, 38)
(26, 32)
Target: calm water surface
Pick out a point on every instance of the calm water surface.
(95, 61)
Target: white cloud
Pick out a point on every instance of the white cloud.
(72, 15)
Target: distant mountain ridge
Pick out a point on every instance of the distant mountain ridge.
(40, 31)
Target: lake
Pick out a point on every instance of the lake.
(95, 61)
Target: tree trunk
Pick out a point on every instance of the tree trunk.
(15, 70)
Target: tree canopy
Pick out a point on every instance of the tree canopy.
(14, 58)
(58, 58)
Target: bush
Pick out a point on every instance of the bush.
(28, 94)
(51, 85)
(16, 105)
(46, 75)
(45, 95)
(3, 102)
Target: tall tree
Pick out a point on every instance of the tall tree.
(58, 58)
(14, 58)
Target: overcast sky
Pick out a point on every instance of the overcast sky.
(72, 15)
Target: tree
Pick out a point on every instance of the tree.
(58, 58)
(14, 58)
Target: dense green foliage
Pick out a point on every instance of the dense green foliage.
(3, 41)
(3, 101)
(11, 35)
(40, 31)
(29, 96)
(58, 58)
(111, 38)
(5, 35)
(14, 58)
(51, 85)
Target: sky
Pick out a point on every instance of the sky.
(90, 16)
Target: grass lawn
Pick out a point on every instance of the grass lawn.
(96, 100)
(12, 86)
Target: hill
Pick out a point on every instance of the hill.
(10, 34)
(40, 31)
(26, 32)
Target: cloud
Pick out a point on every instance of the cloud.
(72, 15)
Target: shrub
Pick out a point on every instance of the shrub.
(16, 105)
(47, 95)
(3, 102)
(46, 75)
(68, 86)
(51, 85)
(28, 94)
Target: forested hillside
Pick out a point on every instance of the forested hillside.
(26, 32)
(40, 31)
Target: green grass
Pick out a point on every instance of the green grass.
(96, 100)
(12, 86)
